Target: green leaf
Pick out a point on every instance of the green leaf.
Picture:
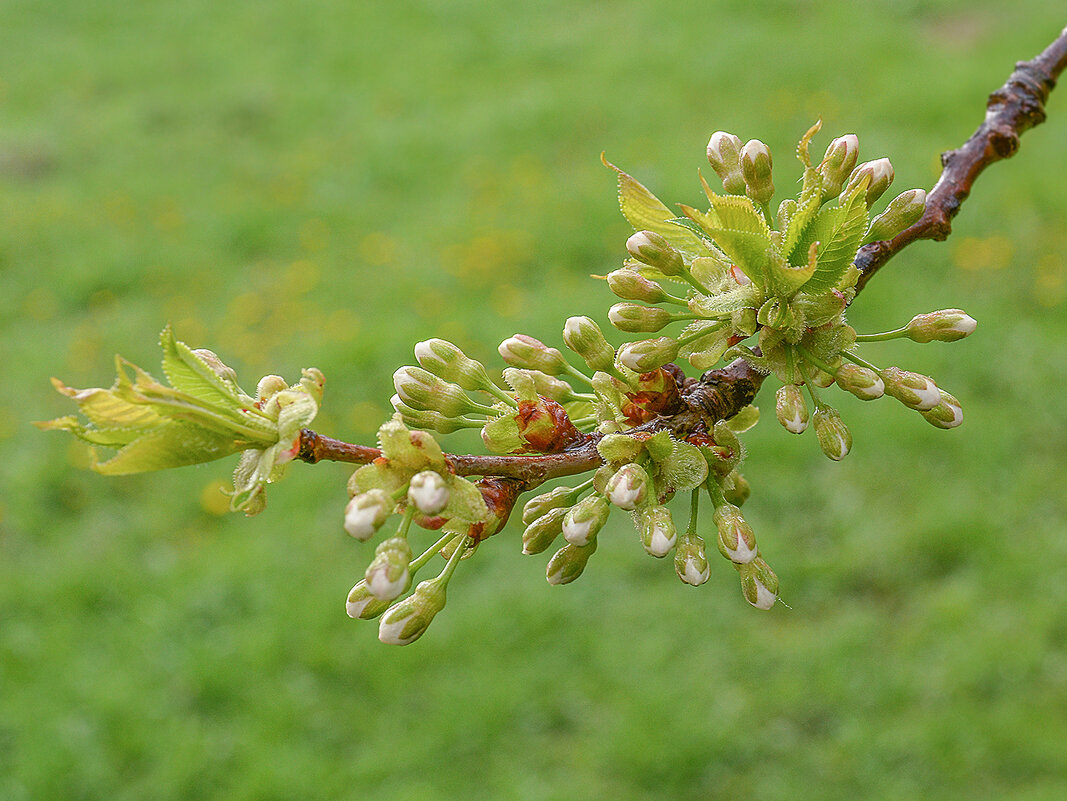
(722, 303)
(105, 408)
(172, 444)
(659, 446)
(751, 252)
(743, 420)
(685, 468)
(838, 251)
(411, 450)
(522, 383)
(619, 448)
(795, 244)
(465, 501)
(739, 213)
(190, 374)
(645, 212)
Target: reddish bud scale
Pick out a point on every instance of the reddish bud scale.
(545, 426)
(657, 395)
(499, 495)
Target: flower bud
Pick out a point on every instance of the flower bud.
(362, 604)
(724, 155)
(902, 212)
(634, 318)
(791, 409)
(388, 574)
(657, 530)
(408, 620)
(759, 584)
(548, 386)
(914, 390)
(545, 502)
(838, 163)
(628, 487)
(947, 414)
(268, 386)
(821, 378)
(421, 418)
(585, 338)
(736, 489)
(652, 249)
(737, 542)
(583, 522)
(946, 325)
(528, 353)
(447, 361)
(423, 391)
(648, 354)
(834, 436)
(569, 562)
(631, 285)
(756, 169)
(880, 172)
(691, 561)
(543, 531)
(428, 492)
(860, 381)
(366, 512)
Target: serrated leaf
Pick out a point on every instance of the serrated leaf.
(521, 383)
(659, 446)
(465, 501)
(807, 209)
(379, 475)
(105, 408)
(645, 212)
(190, 374)
(751, 252)
(172, 444)
(685, 468)
(743, 420)
(723, 303)
(805, 141)
(619, 448)
(836, 254)
(739, 213)
(501, 434)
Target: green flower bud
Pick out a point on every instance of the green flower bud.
(724, 155)
(821, 378)
(634, 318)
(423, 391)
(838, 163)
(388, 574)
(648, 354)
(834, 436)
(860, 381)
(268, 387)
(583, 522)
(880, 172)
(218, 367)
(408, 620)
(366, 512)
(946, 325)
(528, 353)
(585, 338)
(652, 249)
(756, 169)
(548, 386)
(628, 487)
(657, 530)
(447, 361)
(545, 502)
(543, 531)
(362, 605)
(569, 562)
(791, 409)
(691, 561)
(914, 390)
(421, 418)
(947, 414)
(736, 489)
(428, 492)
(631, 285)
(902, 212)
(737, 542)
(759, 584)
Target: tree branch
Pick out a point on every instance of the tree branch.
(719, 394)
(1013, 109)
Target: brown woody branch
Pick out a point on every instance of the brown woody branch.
(1013, 109)
(719, 394)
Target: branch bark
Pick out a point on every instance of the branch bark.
(719, 394)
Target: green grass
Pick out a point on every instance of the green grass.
(326, 183)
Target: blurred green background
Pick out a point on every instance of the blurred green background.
(325, 183)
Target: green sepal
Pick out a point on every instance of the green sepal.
(705, 351)
(465, 501)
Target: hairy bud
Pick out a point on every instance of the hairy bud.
(834, 437)
(946, 325)
(631, 285)
(860, 381)
(724, 155)
(366, 512)
(791, 409)
(634, 318)
(528, 353)
(585, 338)
(914, 390)
(756, 169)
(648, 354)
(838, 163)
(652, 249)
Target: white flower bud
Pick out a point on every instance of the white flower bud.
(947, 414)
(946, 325)
(428, 492)
(838, 163)
(528, 353)
(585, 338)
(631, 285)
(628, 487)
(756, 169)
(584, 521)
(408, 620)
(834, 437)
(388, 574)
(657, 530)
(759, 584)
(791, 409)
(880, 172)
(914, 390)
(724, 155)
(634, 318)
(653, 249)
(366, 512)
(691, 561)
(362, 604)
(860, 381)
(569, 562)
(447, 361)
(737, 542)
(648, 354)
